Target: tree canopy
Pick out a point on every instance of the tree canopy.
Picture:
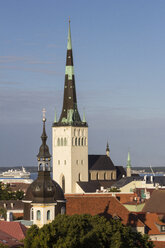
(85, 231)
(7, 194)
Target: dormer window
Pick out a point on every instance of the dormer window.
(37, 188)
(49, 188)
(163, 228)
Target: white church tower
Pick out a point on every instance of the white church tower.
(70, 135)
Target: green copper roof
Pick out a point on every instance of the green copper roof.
(129, 161)
(69, 45)
(69, 70)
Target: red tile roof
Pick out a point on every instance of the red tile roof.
(101, 204)
(8, 240)
(159, 244)
(15, 229)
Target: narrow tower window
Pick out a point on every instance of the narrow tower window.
(32, 214)
(48, 215)
(58, 142)
(65, 142)
(79, 142)
(63, 210)
(61, 141)
(82, 141)
(75, 141)
(79, 177)
(38, 215)
(63, 184)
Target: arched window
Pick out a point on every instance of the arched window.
(82, 141)
(63, 210)
(104, 175)
(74, 132)
(58, 142)
(65, 142)
(63, 183)
(38, 215)
(48, 215)
(75, 141)
(61, 141)
(78, 132)
(79, 177)
(85, 141)
(97, 176)
(32, 214)
(79, 142)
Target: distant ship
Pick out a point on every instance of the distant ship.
(10, 174)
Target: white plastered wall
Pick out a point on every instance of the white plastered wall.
(70, 160)
(43, 208)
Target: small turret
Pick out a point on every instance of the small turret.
(44, 155)
(107, 150)
(128, 165)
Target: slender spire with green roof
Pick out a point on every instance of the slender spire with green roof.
(70, 114)
(129, 165)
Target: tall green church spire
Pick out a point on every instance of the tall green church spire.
(70, 115)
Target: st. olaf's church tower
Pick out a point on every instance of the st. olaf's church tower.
(70, 135)
(73, 169)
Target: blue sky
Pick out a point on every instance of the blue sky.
(119, 60)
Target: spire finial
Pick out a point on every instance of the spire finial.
(43, 114)
(107, 149)
(69, 19)
(128, 160)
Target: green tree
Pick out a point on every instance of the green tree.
(3, 213)
(84, 231)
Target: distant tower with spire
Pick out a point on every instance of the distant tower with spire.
(70, 134)
(107, 150)
(129, 165)
(44, 198)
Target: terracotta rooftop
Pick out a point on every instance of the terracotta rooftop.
(14, 229)
(8, 240)
(156, 203)
(101, 204)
